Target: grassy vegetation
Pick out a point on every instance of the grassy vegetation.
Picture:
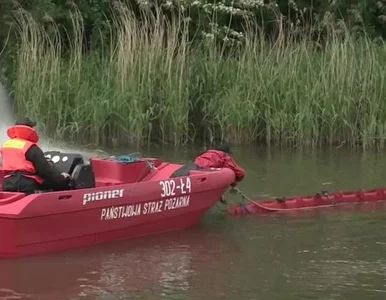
(150, 84)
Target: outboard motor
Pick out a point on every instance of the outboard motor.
(64, 162)
(72, 163)
(83, 177)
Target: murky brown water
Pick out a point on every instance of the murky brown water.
(326, 255)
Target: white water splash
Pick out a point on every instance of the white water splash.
(7, 119)
(6, 114)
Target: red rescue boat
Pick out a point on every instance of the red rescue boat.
(109, 200)
(304, 203)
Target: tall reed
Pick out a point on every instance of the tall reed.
(151, 84)
(105, 97)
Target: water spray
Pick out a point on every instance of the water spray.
(6, 113)
(7, 119)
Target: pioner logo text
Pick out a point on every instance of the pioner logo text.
(105, 195)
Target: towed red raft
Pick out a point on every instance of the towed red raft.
(109, 200)
(320, 200)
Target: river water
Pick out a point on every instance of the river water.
(326, 255)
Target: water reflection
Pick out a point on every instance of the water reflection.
(324, 257)
(154, 266)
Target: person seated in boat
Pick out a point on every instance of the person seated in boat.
(25, 167)
(217, 157)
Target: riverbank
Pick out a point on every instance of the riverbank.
(152, 86)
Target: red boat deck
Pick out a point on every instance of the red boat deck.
(123, 200)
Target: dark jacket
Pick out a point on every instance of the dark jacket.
(52, 177)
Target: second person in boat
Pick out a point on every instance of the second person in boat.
(217, 157)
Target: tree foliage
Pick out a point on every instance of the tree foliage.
(222, 21)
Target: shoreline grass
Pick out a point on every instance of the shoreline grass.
(151, 84)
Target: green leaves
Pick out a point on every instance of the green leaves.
(145, 79)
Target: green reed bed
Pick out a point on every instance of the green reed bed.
(112, 95)
(292, 94)
(149, 83)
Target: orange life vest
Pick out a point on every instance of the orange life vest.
(13, 151)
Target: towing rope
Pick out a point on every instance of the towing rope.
(245, 207)
(126, 159)
(132, 158)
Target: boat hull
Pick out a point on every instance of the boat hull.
(22, 245)
(111, 211)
